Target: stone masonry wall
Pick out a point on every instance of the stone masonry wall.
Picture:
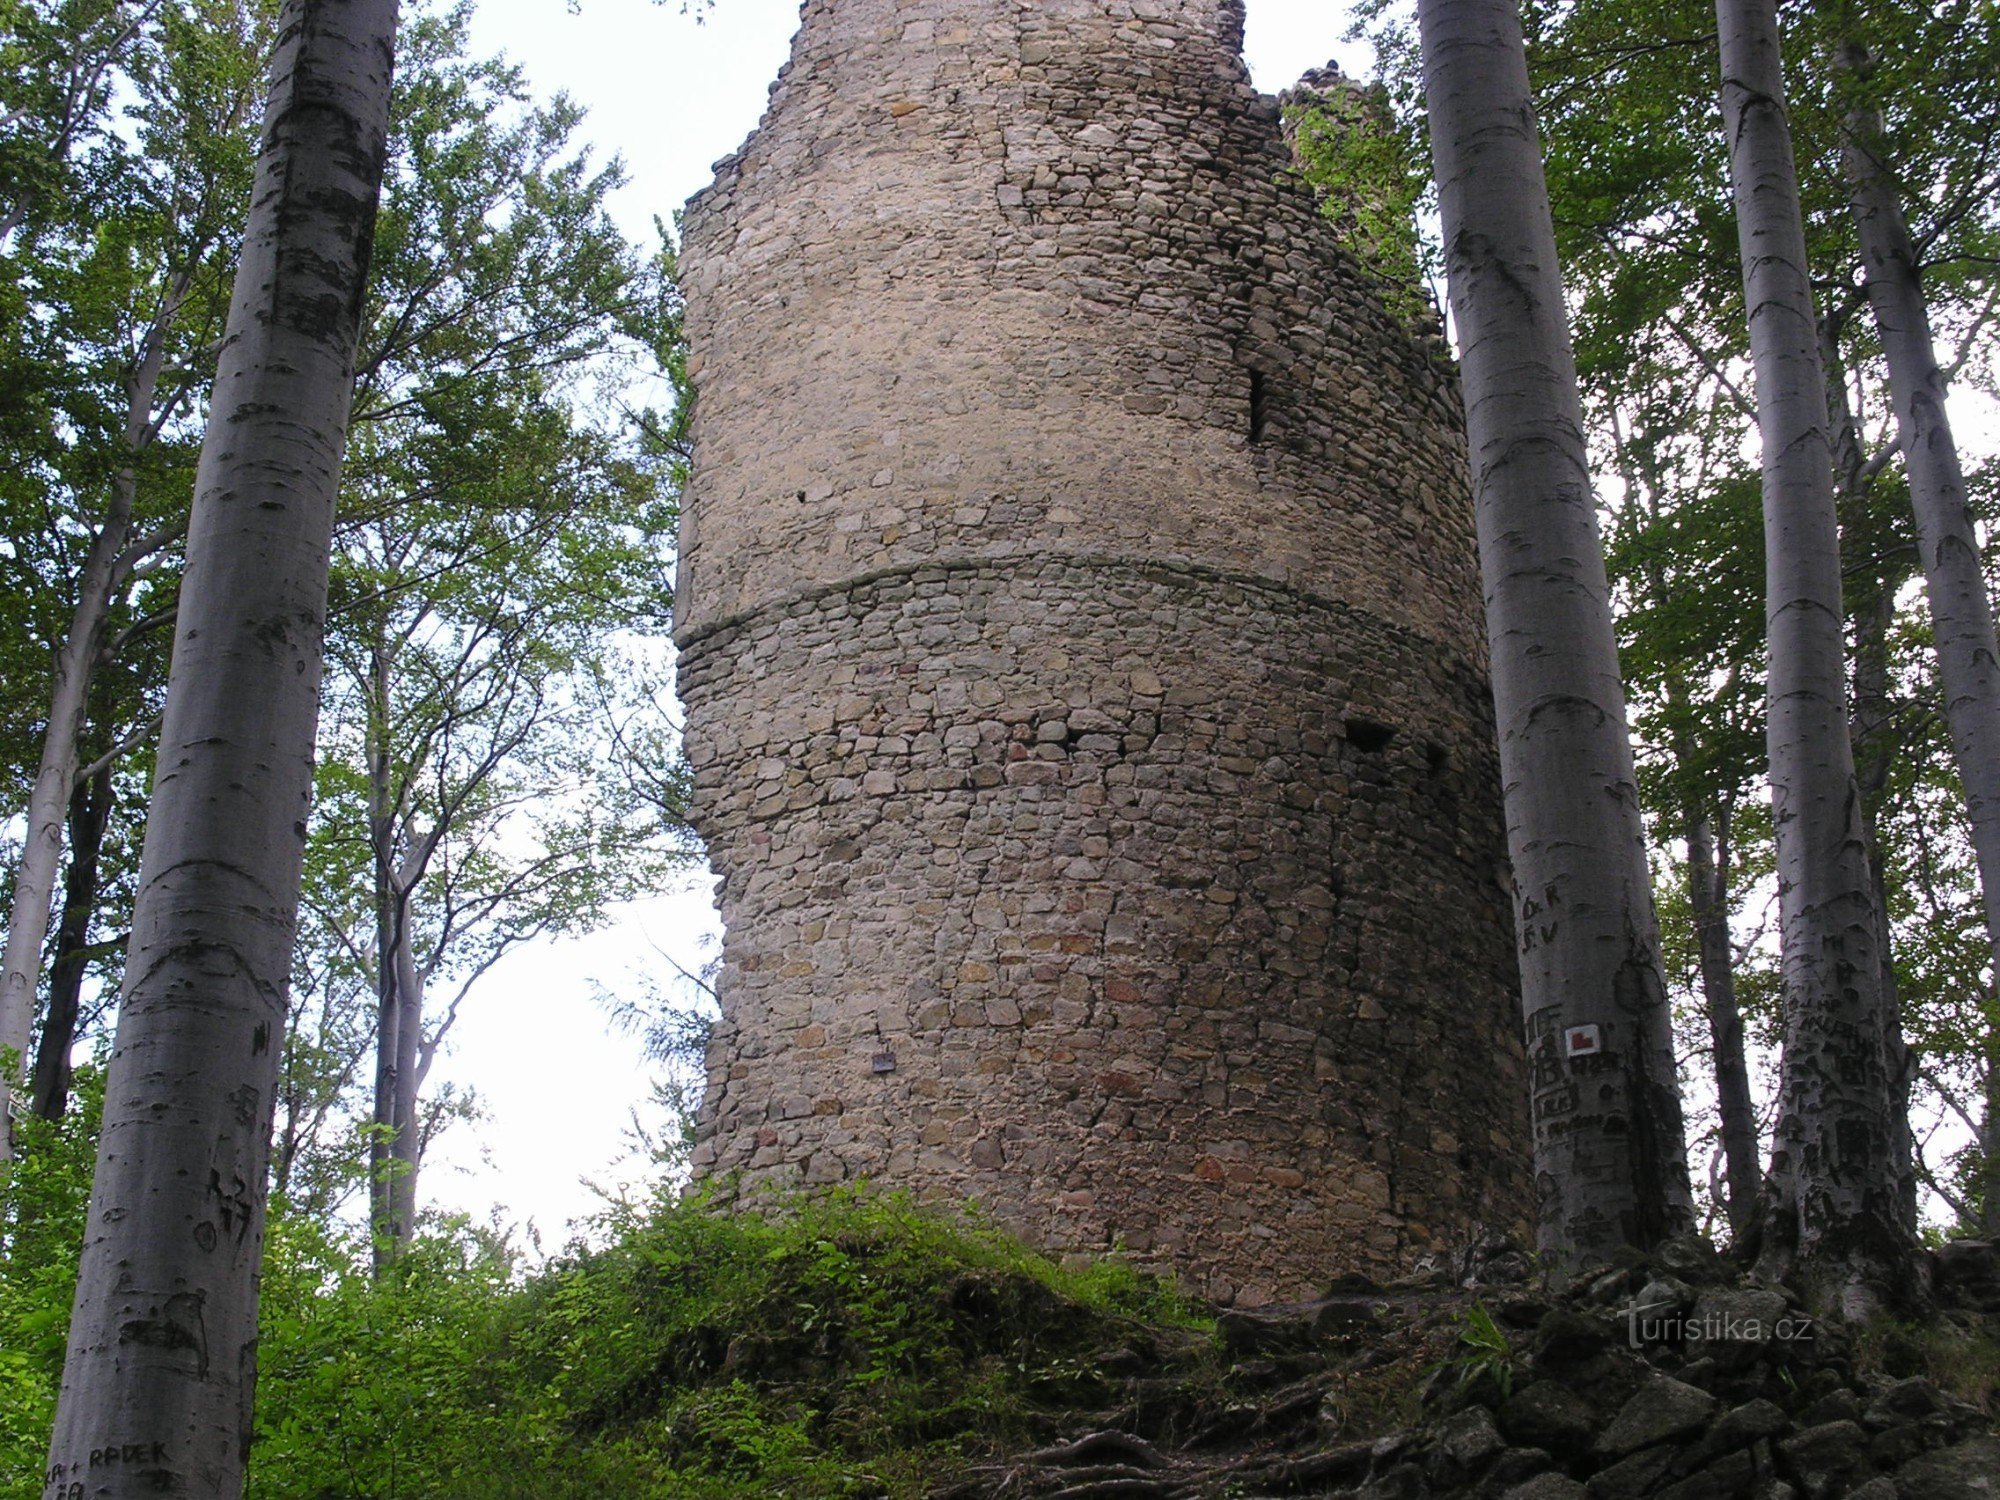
(1081, 651)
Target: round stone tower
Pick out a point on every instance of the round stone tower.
(1083, 665)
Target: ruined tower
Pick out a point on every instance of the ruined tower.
(1083, 665)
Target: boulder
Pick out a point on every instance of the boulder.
(1828, 1460)
(1969, 1471)
(1547, 1415)
(1660, 1411)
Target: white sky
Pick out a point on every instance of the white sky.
(671, 96)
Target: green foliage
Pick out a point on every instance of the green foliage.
(503, 549)
(43, 1199)
(1373, 178)
(850, 1345)
(126, 151)
(1964, 1360)
(1487, 1352)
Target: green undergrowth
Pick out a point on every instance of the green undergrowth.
(43, 1197)
(848, 1345)
(856, 1345)
(1961, 1356)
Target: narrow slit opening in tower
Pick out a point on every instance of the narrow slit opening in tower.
(1260, 406)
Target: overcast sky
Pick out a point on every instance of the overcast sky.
(670, 96)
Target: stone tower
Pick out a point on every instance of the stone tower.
(1083, 666)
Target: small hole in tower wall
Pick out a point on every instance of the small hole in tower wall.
(1367, 736)
(1260, 406)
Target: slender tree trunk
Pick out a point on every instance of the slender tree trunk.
(106, 568)
(382, 1162)
(1872, 728)
(1610, 1155)
(388, 1031)
(407, 1146)
(1954, 580)
(1834, 1217)
(1989, 1143)
(1708, 894)
(163, 1338)
(1871, 725)
(395, 1149)
(89, 812)
(389, 1123)
(49, 799)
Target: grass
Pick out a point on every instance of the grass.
(848, 1345)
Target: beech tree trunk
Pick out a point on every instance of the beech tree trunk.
(396, 1148)
(157, 1388)
(406, 1148)
(49, 799)
(382, 812)
(1989, 1145)
(1708, 894)
(107, 567)
(1955, 582)
(1833, 1216)
(395, 1145)
(1610, 1153)
(1872, 731)
(89, 812)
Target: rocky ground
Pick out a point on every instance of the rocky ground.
(1675, 1378)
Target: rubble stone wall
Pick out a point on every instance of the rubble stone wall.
(1082, 659)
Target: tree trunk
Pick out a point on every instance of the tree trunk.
(89, 812)
(1989, 1143)
(106, 569)
(388, 1029)
(392, 1133)
(162, 1345)
(49, 799)
(395, 1149)
(1872, 728)
(1708, 894)
(1834, 1217)
(1954, 580)
(1874, 734)
(1610, 1156)
(406, 1146)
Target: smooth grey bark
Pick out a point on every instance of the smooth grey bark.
(1954, 581)
(89, 812)
(162, 1347)
(391, 923)
(48, 799)
(396, 1145)
(1610, 1154)
(1832, 1214)
(1989, 1145)
(1708, 895)
(406, 1146)
(1872, 728)
(395, 1142)
(109, 564)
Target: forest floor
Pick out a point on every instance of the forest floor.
(862, 1347)
(1674, 1377)
(858, 1347)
